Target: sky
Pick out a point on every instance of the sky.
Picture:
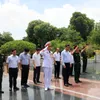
(16, 14)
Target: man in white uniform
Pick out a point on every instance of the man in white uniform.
(47, 64)
(12, 67)
(37, 66)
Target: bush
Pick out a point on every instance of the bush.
(19, 45)
(90, 52)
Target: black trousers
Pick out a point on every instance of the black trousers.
(36, 74)
(57, 69)
(13, 73)
(77, 68)
(84, 65)
(71, 70)
(65, 73)
(24, 74)
(1, 74)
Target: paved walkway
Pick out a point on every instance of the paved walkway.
(89, 89)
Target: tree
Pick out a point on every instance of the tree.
(81, 23)
(95, 37)
(40, 32)
(19, 45)
(5, 37)
(57, 43)
(30, 30)
(97, 26)
(71, 35)
(25, 39)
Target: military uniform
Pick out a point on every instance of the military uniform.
(1, 71)
(77, 66)
(47, 65)
(84, 55)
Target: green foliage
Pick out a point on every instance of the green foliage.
(95, 37)
(40, 32)
(72, 36)
(59, 44)
(19, 45)
(5, 37)
(30, 30)
(97, 26)
(25, 39)
(81, 23)
(90, 51)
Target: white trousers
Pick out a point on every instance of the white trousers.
(47, 77)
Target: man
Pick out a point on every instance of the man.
(57, 59)
(66, 62)
(47, 65)
(77, 64)
(24, 64)
(1, 71)
(12, 67)
(84, 58)
(72, 63)
(37, 65)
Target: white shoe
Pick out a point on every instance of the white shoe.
(46, 89)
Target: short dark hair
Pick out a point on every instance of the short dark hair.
(67, 45)
(75, 46)
(71, 49)
(26, 50)
(13, 50)
(38, 49)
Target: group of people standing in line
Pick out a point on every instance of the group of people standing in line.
(68, 58)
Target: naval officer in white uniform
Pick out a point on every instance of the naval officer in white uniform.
(47, 64)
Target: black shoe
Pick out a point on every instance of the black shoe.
(80, 81)
(76, 82)
(26, 85)
(10, 89)
(50, 88)
(35, 82)
(39, 82)
(66, 85)
(59, 77)
(85, 72)
(16, 89)
(1, 92)
(69, 84)
(22, 86)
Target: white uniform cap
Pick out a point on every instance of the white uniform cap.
(48, 43)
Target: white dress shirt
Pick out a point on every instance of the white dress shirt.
(12, 61)
(47, 58)
(65, 57)
(56, 56)
(72, 59)
(36, 57)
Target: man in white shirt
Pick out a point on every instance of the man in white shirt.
(37, 65)
(66, 62)
(57, 58)
(12, 67)
(24, 65)
(47, 64)
(72, 62)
